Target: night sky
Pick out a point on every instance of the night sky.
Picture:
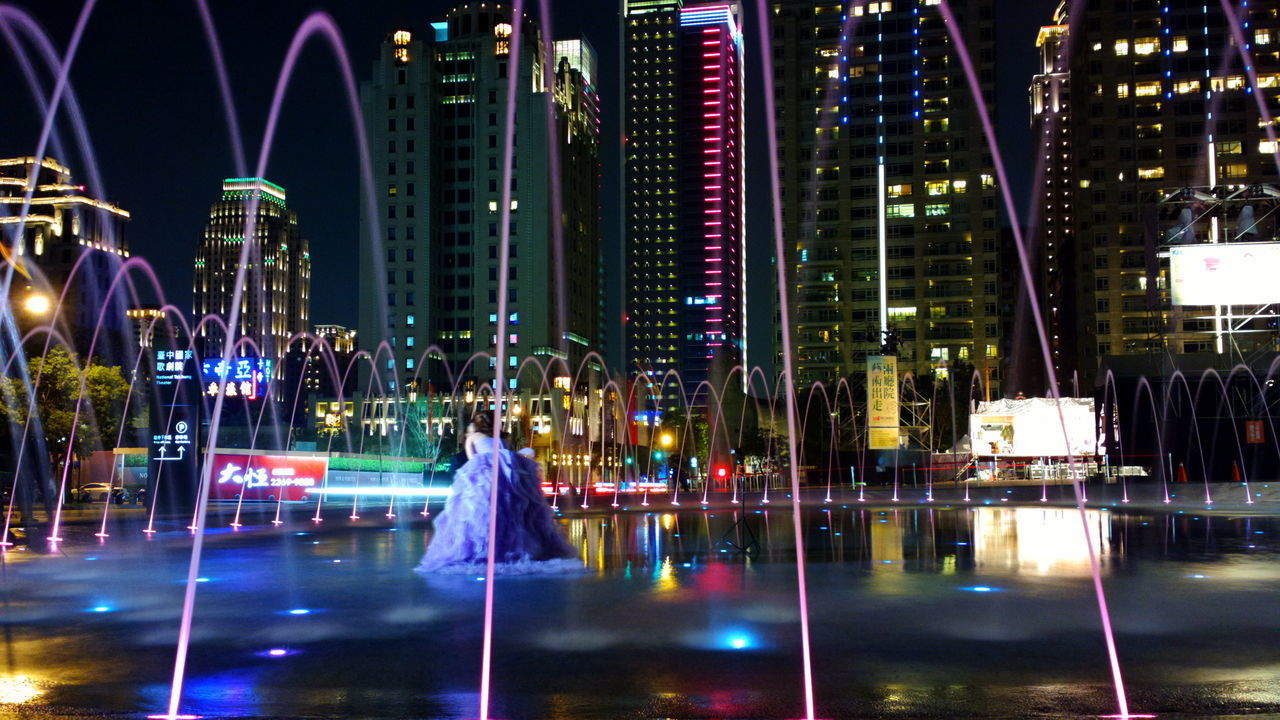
(147, 87)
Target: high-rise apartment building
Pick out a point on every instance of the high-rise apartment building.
(685, 239)
(275, 302)
(435, 112)
(888, 192)
(69, 252)
(1160, 126)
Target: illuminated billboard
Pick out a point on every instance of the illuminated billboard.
(1033, 427)
(1225, 274)
(246, 377)
(266, 477)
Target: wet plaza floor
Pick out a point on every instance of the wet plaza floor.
(986, 612)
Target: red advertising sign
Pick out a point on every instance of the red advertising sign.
(1253, 432)
(266, 477)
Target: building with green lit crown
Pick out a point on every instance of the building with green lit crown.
(276, 300)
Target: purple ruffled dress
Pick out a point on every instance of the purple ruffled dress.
(528, 540)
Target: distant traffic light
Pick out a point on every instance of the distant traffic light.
(630, 460)
(658, 455)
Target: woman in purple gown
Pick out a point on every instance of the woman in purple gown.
(527, 539)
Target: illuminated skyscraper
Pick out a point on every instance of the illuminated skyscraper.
(684, 187)
(65, 232)
(276, 299)
(888, 192)
(434, 109)
(1149, 126)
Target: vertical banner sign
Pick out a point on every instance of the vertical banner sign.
(173, 455)
(882, 402)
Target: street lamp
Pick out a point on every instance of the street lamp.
(667, 440)
(36, 304)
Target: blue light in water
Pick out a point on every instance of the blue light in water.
(101, 609)
(277, 653)
(981, 589)
(738, 640)
(302, 533)
(300, 611)
(91, 558)
(886, 562)
(1198, 576)
(962, 543)
(202, 579)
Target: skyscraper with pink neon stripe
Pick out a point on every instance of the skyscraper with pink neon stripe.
(684, 188)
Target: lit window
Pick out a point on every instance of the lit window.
(1180, 44)
(1237, 170)
(988, 181)
(898, 190)
(1262, 36)
(1145, 46)
(959, 186)
(1231, 147)
(1122, 90)
(936, 187)
(938, 210)
(1122, 47)
(1154, 173)
(1182, 87)
(1146, 89)
(1268, 81)
(1267, 147)
(1231, 82)
(900, 211)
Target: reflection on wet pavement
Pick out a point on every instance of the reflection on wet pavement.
(917, 612)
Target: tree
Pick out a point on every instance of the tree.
(60, 379)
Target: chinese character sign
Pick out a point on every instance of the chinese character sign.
(172, 366)
(1253, 432)
(882, 402)
(244, 377)
(266, 477)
